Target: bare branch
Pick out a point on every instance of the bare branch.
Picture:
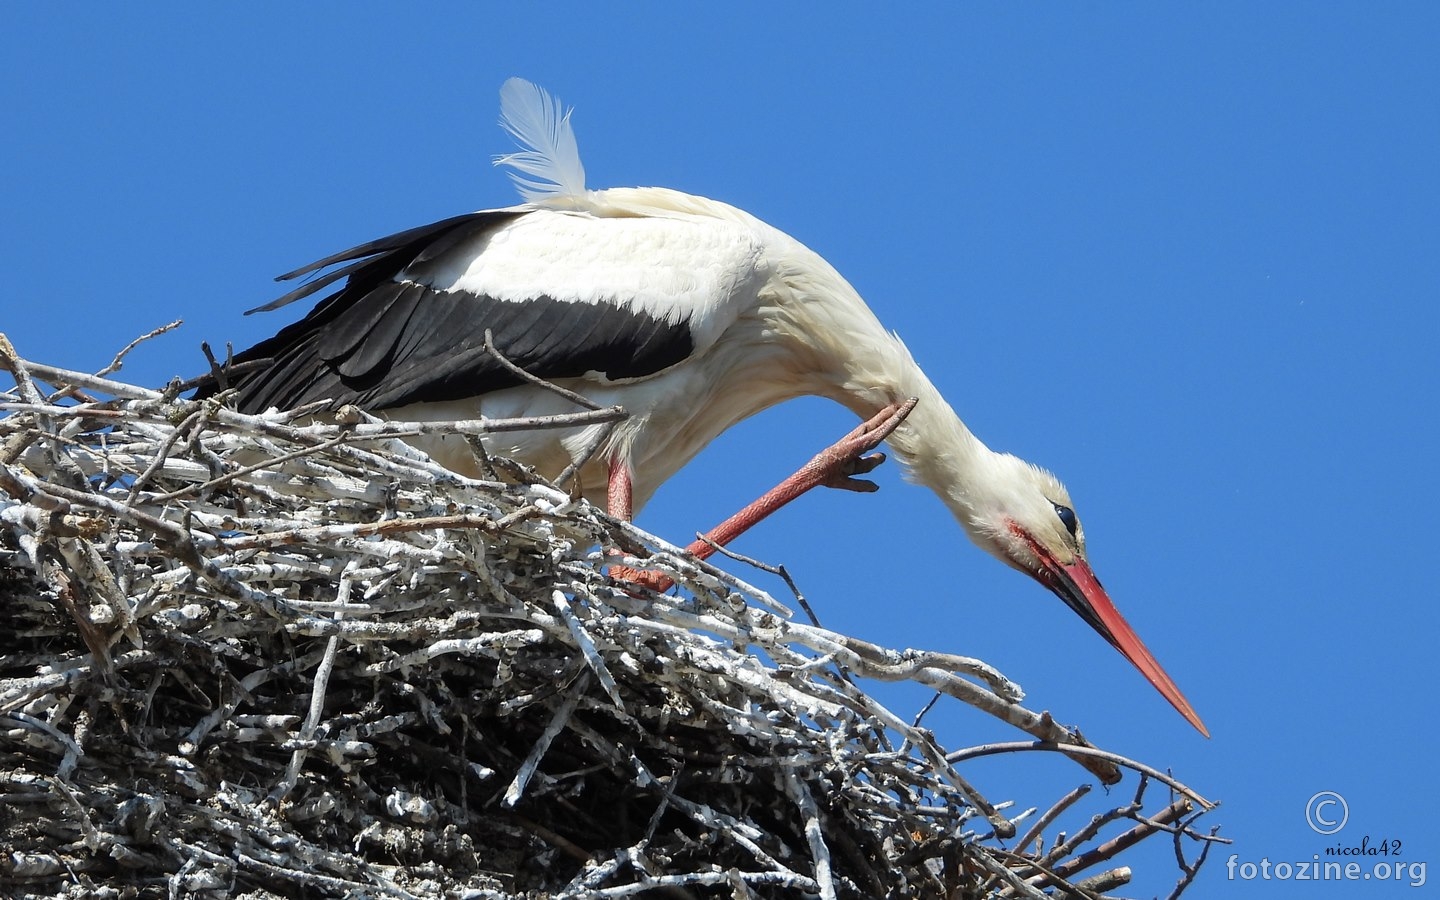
(118, 362)
(1074, 750)
(578, 399)
(1050, 816)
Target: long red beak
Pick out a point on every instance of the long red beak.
(1076, 584)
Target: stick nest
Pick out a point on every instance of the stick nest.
(245, 657)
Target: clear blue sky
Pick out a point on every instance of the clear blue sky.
(1188, 257)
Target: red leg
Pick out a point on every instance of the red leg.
(619, 500)
(620, 490)
(835, 467)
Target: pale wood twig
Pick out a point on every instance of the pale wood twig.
(118, 362)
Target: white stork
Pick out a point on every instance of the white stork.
(689, 313)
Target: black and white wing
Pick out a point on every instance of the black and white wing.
(564, 294)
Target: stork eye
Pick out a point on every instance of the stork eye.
(1067, 517)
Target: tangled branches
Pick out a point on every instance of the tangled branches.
(246, 656)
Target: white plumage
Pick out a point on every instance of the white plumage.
(688, 312)
(703, 272)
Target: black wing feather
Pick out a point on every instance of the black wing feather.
(381, 343)
(364, 340)
(446, 233)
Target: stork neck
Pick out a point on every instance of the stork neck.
(933, 444)
(855, 361)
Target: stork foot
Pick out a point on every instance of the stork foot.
(843, 478)
(641, 578)
(837, 465)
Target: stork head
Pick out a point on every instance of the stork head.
(1023, 515)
